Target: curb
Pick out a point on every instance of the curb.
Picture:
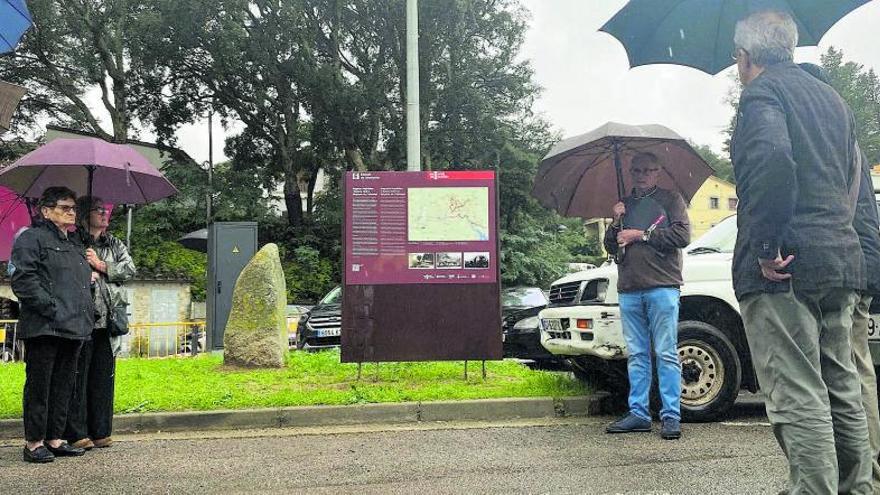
(398, 412)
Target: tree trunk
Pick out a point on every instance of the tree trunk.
(355, 159)
(293, 200)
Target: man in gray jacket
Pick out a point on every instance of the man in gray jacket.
(798, 265)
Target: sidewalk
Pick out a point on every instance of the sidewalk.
(405, 412)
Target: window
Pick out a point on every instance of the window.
(732, 203)
(713, 203)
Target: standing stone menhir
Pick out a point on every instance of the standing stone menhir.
(256, 333)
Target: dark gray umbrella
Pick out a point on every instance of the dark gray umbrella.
(196, 240)
(699, 33)
(583, 176)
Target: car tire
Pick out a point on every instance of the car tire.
(711, 372)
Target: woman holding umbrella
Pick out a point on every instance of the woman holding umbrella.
(90, 420)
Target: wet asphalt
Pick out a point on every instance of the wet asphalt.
(571, 455)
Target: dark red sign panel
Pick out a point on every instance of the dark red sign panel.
(420, 228)
(421, 275)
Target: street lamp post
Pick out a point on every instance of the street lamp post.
(413, 128)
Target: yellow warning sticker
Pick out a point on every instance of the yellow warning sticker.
(235, 250)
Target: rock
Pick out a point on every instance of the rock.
(256, 333)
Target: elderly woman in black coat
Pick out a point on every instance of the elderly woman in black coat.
(52, 282)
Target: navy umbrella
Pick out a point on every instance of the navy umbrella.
(699, 33)
(14, 21)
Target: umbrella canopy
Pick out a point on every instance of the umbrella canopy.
(699, 33)
(582, 176)
(196, 240)
(114, 172)
(14, 21)
(14, 218)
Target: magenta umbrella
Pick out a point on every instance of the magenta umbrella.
(90, 166)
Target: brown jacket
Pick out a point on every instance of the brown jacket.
(656, 263)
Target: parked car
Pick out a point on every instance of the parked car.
(321, 326)
(520, 329)
(582, 324)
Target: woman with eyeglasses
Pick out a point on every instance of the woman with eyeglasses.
(90, 421)
(52, 283)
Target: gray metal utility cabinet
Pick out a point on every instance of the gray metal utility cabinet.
(231, 245)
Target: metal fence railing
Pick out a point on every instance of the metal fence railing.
(146, 340)
(164, 339)
(11, 349)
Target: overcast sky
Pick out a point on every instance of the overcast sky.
(587, 80)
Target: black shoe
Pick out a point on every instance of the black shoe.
(671, 429)
(629, 424)
(65, 450)
(39, 455)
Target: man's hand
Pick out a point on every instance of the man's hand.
(629, 236)
(619, 210)
(95, 276)
(770, 268)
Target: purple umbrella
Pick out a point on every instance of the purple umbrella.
(114, 172)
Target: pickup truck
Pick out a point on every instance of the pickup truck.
(582, 324)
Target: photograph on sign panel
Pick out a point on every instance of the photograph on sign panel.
(421, 261)
(476, 260)
(448, 260)
(448, 214)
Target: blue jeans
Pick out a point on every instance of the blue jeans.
(651, 316)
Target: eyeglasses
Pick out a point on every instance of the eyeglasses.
(643, 171)
(100, 210)
(735, 53)
(65, 208)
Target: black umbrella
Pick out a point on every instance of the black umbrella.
(196, 240)
(699, 33)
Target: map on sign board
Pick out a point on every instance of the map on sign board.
(448, 214)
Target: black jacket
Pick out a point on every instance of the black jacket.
(52, 281)
(797, 178)
(867, 225)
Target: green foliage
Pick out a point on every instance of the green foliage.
(202, 384)
(722, 166)
(308, 275)
(860, 88)
(168, 258)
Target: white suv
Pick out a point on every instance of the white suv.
(582, 323)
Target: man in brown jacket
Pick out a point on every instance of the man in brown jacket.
(650, 228)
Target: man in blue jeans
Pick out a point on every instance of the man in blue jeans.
(650, 228)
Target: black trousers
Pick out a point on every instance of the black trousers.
(50, 368)
(91, 408)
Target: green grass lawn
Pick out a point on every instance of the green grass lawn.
(185, 384)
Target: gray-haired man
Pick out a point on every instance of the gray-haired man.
(798, 264)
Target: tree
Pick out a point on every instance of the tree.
(722, 166)
(80, 46)
(861, 90)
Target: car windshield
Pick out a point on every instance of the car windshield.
(332, 297)
(719, 239)
(526, 297)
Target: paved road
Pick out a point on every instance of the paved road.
(549, 456)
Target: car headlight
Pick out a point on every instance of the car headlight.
(529, 323)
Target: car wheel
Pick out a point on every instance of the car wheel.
(710, 371)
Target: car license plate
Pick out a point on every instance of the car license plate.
(329, 332)
(553, 325)
(874, 327)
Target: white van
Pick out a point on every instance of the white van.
(582, 323)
